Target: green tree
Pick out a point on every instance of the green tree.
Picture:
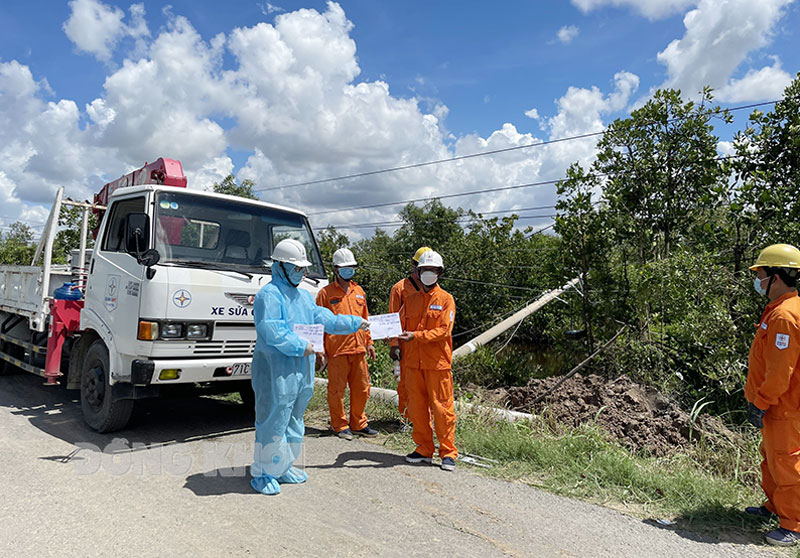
(433, 224)
(230, 187)
(584, 234)
(768, 169)
(663, 175)
(17, 246)
(653, 247)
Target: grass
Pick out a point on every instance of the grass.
(702, 491)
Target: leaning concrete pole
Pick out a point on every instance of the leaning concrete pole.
(494, 331)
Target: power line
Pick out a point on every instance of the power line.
(481, 153)
(427, 163)
(489, 190)
(479, 214)
(440, 197)
(538, 231)
(345, 226)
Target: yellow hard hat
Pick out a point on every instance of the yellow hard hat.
(778, 255)
(419, 252)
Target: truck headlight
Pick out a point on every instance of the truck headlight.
(196, 331)
(171, 331)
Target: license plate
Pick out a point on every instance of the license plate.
(241, 369)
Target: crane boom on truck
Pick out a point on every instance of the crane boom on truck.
(165, 300)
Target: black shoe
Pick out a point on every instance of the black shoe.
(760, 511)
(415, 457)
(448, 464)
(366, 431)
(345, 434)
(782, 537)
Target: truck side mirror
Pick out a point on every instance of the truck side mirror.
(137, 233)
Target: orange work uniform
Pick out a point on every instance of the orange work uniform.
(427, 361)
(773, 385)
(397, 298)
(347, 364)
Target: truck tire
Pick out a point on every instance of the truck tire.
(100, 411)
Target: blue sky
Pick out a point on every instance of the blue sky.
(295, 91)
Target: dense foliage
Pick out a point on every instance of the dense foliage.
(662, 229)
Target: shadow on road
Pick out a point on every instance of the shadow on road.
(375, 459)
(730, 525)
(220, 481)
(57, 412)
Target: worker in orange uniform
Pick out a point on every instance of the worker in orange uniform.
(397, 297)
(345, 353)
(427, 356)
(773, 390)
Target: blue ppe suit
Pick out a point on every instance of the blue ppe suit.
(283, 380)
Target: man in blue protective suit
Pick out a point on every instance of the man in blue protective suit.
(283, 366)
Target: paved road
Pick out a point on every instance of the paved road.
(169, 489)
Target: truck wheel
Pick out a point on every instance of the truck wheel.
(100, 411)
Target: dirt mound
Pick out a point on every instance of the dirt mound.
(639, 417)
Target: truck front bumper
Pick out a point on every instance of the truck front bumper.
(185, 371)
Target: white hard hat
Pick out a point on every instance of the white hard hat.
(344, 257)
(291, 251)
(431, 258)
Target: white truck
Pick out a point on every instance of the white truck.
(166, 297)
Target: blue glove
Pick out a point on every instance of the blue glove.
(755, 416)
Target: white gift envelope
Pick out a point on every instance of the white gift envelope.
(315, 333)
(382, 326)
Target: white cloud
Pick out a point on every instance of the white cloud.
(765, 84)
(269, 9)
(33, 135)
(567, 33)
(719, 36)
(532, 113)
(725, 148)
(651, 9)
(580, 112)
(96, 28)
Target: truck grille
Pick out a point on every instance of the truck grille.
(228, 347)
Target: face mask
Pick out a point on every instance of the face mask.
(758, 285)
(295, 275)
(428, 278)
(346, 273)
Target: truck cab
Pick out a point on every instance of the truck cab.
(170, 290)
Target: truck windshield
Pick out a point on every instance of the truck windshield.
(195, 229)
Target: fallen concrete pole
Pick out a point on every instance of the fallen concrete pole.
(390, 396)
(491, 333)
